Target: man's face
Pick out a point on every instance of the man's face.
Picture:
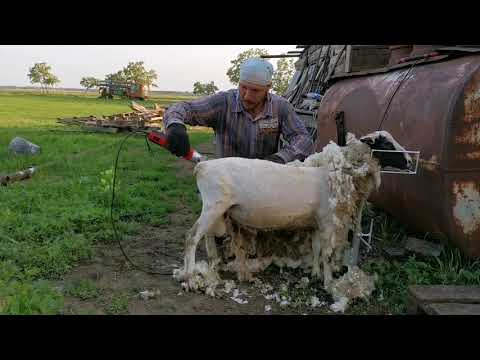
(252, 95)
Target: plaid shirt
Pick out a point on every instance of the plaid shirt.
(238, 134)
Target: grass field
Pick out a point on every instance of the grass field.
(49, 224)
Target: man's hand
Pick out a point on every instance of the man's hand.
(178, 143)
(275, 158)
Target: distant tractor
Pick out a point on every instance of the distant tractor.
(109, 89)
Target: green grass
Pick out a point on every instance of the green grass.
(83, 289)
(117, 305)
(397, 274)
(49, 223)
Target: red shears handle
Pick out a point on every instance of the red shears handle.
(161, 139)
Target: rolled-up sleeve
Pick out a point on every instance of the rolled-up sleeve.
(203, 112)
(299, 143)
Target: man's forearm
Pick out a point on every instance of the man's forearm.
(299, 148)
(299, 143)
(202, 112)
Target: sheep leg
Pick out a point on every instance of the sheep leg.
(326, 258)
(316, 247)
(212, 252)
(205, 222)
(356, 236)
(243, 272)
(327, 272)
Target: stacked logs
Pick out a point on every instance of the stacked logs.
(140, 119)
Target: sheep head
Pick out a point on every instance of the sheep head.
(382, 140)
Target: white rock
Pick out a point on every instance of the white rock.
(239, 301)
(340, 305)
(314, 302)
(304, 281)
(147, 294)
(268, 308)
(229, 285)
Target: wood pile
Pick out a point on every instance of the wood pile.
(140, 119)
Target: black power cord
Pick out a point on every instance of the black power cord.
(115, 233)
(395, 92)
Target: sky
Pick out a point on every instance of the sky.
(177, 66)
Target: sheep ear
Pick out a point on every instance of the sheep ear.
(367, 140)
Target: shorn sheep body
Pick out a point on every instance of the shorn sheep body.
(317, 202)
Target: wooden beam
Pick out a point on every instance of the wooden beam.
(452, 309)
(348, 59)
(446, 293)
(278, 56)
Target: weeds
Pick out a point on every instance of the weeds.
(50, 223)
(395, 276)
(21, 294)
(118, 305)
(83, 289)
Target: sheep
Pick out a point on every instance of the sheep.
(323, 196)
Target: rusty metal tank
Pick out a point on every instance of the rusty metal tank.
(436, 110)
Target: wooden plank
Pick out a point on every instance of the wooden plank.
(445, 294)
(348, 59)
(452, 309)
(110, 130)
(278, 56)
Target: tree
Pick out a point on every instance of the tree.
(282, 75)
(204, 89)
(51, 80)
(134, 72)
(116, 77)
(41, 74)
(233, 72)
(89, 82)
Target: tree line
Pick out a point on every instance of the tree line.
(135, 72)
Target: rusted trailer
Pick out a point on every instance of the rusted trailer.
(430, 104)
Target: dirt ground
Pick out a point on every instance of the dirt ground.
(162, 250)
(112, 286)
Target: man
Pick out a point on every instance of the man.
(248, 121)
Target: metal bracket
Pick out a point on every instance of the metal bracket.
(367, 242)
(341, 129)
(408, 172)
(351, 256)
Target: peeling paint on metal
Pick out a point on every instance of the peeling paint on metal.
(430, 164)
(474, 155)
(470, 135)
(467, 206)
(472, 105)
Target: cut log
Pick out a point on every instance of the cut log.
(19, 175)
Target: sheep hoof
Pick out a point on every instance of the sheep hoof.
(316, 273)
(179, 274)
(190, 284)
